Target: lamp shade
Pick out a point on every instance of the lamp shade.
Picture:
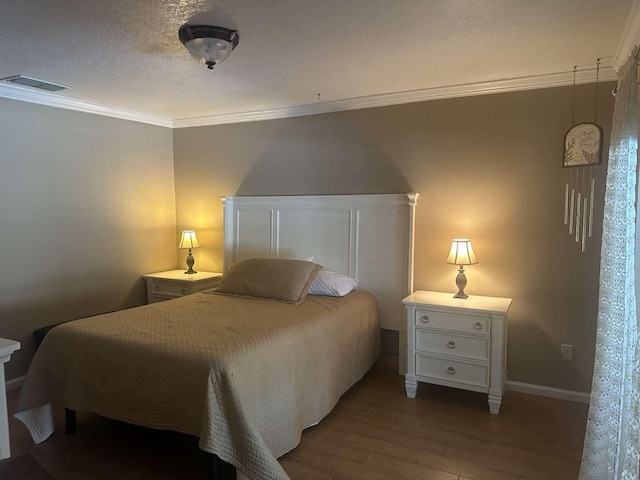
(461, 252)
(189, 240)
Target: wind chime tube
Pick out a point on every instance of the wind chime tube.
(584, 226)
(571, 210)
(566, 203)
(578, 204)
(593, 187)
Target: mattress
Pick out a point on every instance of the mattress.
(244, 375)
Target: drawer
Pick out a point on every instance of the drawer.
(474, 348)
(453, 321)
(452, 370)
(169, 289)
(160, 298)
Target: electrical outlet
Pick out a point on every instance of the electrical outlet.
(567, 351)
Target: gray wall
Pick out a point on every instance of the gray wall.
(487, 168)
(87, 206)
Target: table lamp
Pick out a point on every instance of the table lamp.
(189, 240)
(461, 254)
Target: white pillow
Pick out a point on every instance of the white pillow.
(332, 284)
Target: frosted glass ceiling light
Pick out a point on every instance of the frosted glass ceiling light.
(207, 44)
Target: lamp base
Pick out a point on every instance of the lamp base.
(461, 282)
(190, 262)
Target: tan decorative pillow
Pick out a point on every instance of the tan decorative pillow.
(282, 279)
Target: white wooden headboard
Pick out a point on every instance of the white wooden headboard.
(368, 237)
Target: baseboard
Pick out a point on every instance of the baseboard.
(551, 392)
(15, 383)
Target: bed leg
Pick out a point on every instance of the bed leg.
(218, 469)
(70, 420)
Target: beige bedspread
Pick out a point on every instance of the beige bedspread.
(246, 376)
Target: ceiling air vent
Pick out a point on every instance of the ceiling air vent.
(34, 82)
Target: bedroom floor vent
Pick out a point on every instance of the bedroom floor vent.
(34, 82)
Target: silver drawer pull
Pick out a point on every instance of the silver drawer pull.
(451, 344)
(478, 326)
(425, 319)
(451, 371)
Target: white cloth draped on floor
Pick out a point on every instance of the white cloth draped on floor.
(612, 442)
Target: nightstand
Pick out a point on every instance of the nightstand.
(460, 343)
(175, 283)
(7, 347)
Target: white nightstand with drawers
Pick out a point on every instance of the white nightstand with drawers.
(7, 347)
(455, 342)
(175, 283)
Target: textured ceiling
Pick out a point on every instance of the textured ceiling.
(126, 54)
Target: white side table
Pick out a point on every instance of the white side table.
(175, 283)
(7, 347)
(456, 342)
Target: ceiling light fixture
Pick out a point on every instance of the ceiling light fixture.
(207, 44)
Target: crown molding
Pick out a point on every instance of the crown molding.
(630, 37)
(464, 90)
(25, 94)
(437, 93)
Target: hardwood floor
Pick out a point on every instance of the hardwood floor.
(375, 432)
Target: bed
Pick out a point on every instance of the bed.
(243, 367)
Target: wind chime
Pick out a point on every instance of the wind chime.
(582, 150)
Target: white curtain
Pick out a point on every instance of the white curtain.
(612, 442)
